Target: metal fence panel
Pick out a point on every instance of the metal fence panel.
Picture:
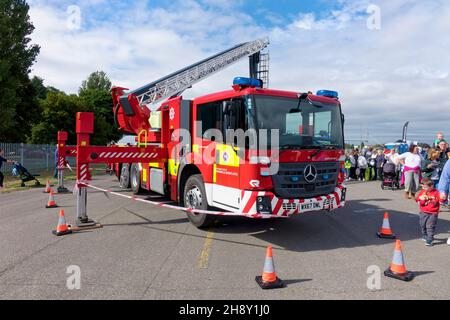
(35, 157)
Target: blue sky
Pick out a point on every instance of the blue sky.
(385, 76)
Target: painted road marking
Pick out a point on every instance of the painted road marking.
(203, 262)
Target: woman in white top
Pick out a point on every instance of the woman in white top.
(411, 172)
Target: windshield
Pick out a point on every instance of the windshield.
(310, 124)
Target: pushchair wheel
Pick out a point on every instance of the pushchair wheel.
(22, 184)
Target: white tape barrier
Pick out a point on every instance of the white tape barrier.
(163, 205)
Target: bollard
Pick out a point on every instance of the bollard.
(61, 187)
(62, 138)
(84, 127)
(83, 220)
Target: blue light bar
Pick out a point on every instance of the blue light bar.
(247, 82)
(328, 93)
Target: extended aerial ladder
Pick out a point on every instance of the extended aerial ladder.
(132, 111)
(132, 108)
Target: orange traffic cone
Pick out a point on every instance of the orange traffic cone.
(397, 269)
(62, 228)
(47, 187)
(51, 201)
(385, 230)
(269, 279)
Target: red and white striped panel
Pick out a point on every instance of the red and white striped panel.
(127, 155)
(61, 163)
(288, 207)
(84, 172)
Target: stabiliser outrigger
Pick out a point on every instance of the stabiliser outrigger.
(310, 176)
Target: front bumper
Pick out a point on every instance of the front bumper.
(287, 207)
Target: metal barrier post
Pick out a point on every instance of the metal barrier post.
(84, 127)
(62, 139)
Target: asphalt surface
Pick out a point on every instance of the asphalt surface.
(144, 252)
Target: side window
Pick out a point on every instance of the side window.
(209, 115)
(234, 114)
(221, 115)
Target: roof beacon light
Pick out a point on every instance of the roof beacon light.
(328, 93)
(247, 82)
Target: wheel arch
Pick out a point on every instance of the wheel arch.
(185, 171)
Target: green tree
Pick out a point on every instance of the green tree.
(96, 94)
(40, 88)
(17, 55)
(28, 111)
(98, 81)
(58, 113)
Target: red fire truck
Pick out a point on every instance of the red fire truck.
(207, 171)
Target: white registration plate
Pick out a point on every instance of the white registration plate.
(310, 206)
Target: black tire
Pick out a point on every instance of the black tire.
(135, 179)
(124, 180)
(194, 197)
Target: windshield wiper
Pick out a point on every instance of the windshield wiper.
(294, 146)
(322, 148)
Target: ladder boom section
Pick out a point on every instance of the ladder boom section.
(183, 79)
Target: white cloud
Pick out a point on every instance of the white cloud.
(384, 77)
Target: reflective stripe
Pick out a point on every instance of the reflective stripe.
(269, 266)
(226, 156)
(173, 167)
(386, 224)
(398, 258)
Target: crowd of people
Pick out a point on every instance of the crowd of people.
(412, 165)
(419, 167)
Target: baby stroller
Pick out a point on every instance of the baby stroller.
(390, 177)
(20, 171)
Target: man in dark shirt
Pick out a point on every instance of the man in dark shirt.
(445, 154)
(1, 163)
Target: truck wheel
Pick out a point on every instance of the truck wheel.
(124, 180)
(194, 197)
(135, 177)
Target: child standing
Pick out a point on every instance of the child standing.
(428, 200)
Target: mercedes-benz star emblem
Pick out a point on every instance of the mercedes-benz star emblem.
(310, 173)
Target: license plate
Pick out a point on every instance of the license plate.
(309, 206)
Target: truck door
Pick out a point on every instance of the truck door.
(226, 171)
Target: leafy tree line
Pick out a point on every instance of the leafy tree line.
(32, 112)
(58, 111)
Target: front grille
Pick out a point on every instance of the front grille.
(289, 206)
(290, 183)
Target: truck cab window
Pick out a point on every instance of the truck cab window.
(209, 115)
